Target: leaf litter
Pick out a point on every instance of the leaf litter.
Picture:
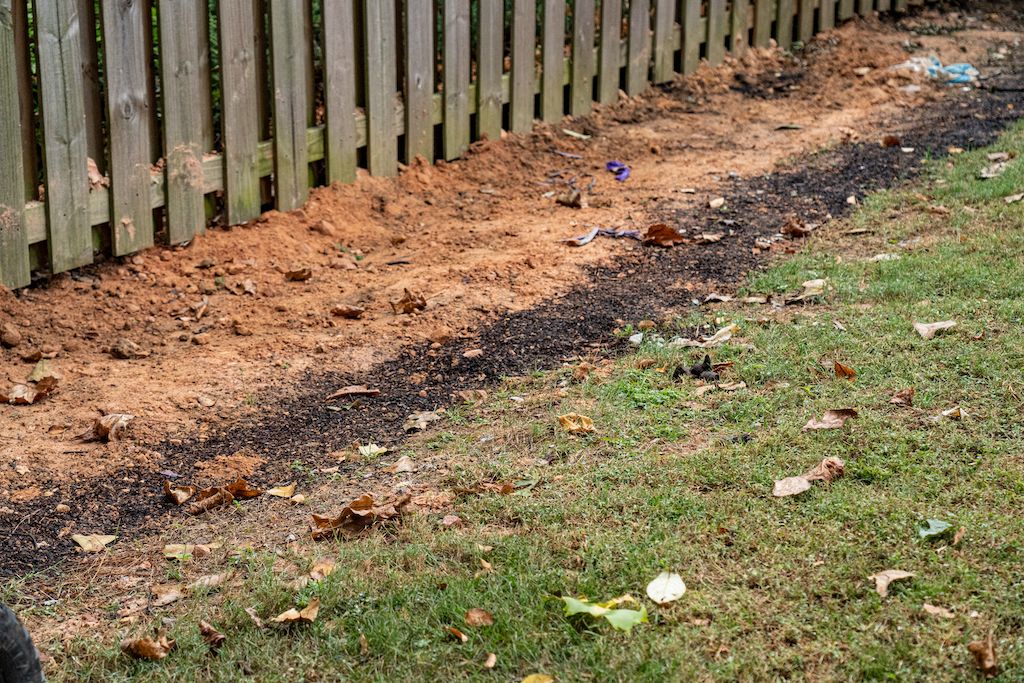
(358, 516)
(884, 578)
(831, 419)
(827, 471)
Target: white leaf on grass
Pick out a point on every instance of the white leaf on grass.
(665, 588)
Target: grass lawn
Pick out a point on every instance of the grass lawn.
(678, 480)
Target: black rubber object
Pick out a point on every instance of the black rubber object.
(19, 661)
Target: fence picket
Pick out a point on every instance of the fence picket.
(288, 63)
(739, 21)
(64, 137)
(639, 59)
(19, 11)
(14, 262)
(456, 78)
(664, 55)
(611, 51)
(716, 32)
(692, 37)
(884, 5)
(340, 90)
(523, 76)
(126, 59)
(381, 84)
(805, 21)
(827, 15)
(419, 81)
(784, 24)
(900, 5)
(763, 18)
(864, 7)
(489, 67)
(582, 87)
(552, 79)
(92, 92)
(239, 109)
(846, 9)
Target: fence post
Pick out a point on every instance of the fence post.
(127, 62)
(552, 83)
(340, 90)
(489, 68)
(664, 22)
(716, 32)
(827, 15)
(381, 86)
(611, 49)
(738, 39)
(524, 23)
(419, 80)
(64, 137)
(582, 86)
(287, 51)
(14, 265)
(784, 24)
(456, 78)
(691, 35)
(763, 18)
(639, 60)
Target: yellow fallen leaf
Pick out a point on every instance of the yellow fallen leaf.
(539, 678)
(883, 579)
(93, 543)
(321, 569)
(575, 423)
(305, 616)
(153, 649)
(282, 491)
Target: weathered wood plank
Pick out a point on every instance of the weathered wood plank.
(14, 260)
(524, 25)
(716, 31)
(692, 35)
(664, 25)
(611, 50)
(805, 21)
(64, 135)
(900, 5)
(419, 79)
(784, 24)
(127, 60)
(827, 15)
(865, 7)
(288, 64)
(19, 10)
(764, 15)
(639, 60)
(182, 120)
(846, 9)
(883, 5)
(581, 97)
(456, 78)
(205, 104)
(381, 86)
(239, 109)
(489, 68)
(552, 85)
(92, 93)
(739, 28)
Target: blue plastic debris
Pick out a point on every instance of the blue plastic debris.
(953, 74)
(620, 170)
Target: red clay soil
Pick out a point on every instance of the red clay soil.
(225, 337)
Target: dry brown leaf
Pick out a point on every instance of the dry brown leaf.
(418, 422)
(178, 494)
(883, 579)
(984, 652)
(208, 499)
(796, 227)
(321, 569)
(937, 611)
(811, 289)
(357, 516)
(210, 581)
(457, 634)
(491, 661)
(582, 371)
(153, 649)
(364, 645)
(477, 617)
(186, 551)
(451, 521)
(662, 235)
(92, 543)
(575, 423)
(165, 595)
(306, 615)
(286, 491)
(844, 371)
(903, 397)
(409, 303)
(107, 428)
(929, 330)
(732, 386)
(959, 535)
(831, 419)
(403, 464)
(827, 470)
(472, 395)
(354, 390)
(298, 275)
(347, 312)
(214, 638)
(790, 486)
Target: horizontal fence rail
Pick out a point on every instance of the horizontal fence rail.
(130, 122)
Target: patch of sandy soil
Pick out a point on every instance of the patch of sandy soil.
(219, 321)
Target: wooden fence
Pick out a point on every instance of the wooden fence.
(124, 122)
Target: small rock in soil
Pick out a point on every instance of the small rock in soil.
(126, 349)
(10, 336)
(347, 312)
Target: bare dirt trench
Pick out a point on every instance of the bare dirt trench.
(240, 390)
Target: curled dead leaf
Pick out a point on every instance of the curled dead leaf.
(255, 618)
(178, 494)
(358, 516)
(903, 397)
(210, 581)
(306, 615)
(827, 470)
(491, 661)
(286, 491)
(831, 419)
(409, 303)
(93, 543)
(110, 427)
(477, 617)
(153, 649)
(662, 235)
(929, 330)
(214, 638)
(216, 496)
(321, 569)
(844, 371)
(417, 422)
(402, 465)
(937, 611)
(575, 423)
(298, 275)
(883, 579)
(457, 634)
(811, 289)
(984, 652)
(352, 391)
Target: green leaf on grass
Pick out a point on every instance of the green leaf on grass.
(622, 619)
(931, 528)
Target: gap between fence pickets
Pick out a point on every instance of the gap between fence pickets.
(213, 163)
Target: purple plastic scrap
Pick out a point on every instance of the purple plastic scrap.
(620, 170)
